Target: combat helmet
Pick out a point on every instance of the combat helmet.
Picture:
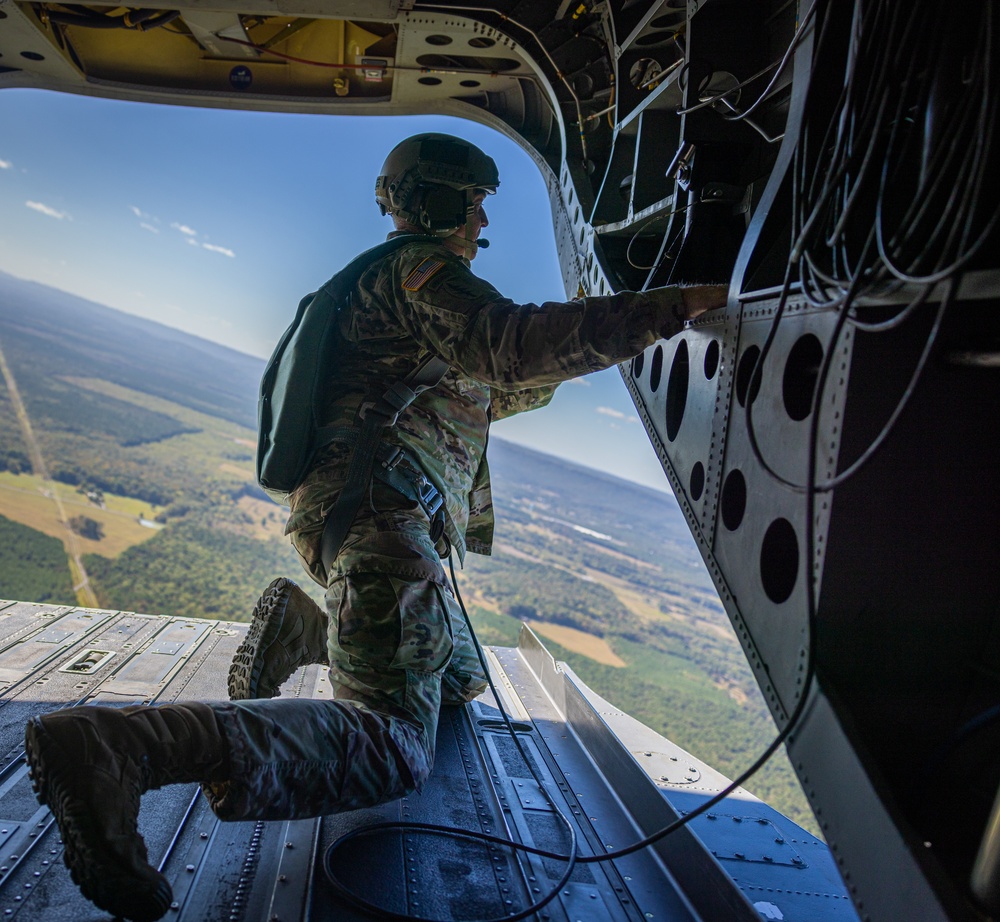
(429, 180)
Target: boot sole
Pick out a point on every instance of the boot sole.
(265, 627)
(98, 876)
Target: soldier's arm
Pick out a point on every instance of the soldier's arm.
(511, 346)
(507, 403)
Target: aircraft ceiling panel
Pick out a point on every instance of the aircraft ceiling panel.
(457, 59)
(28, 58)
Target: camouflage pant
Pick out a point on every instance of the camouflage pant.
(396, 636)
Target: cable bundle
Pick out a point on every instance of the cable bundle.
(892, 185)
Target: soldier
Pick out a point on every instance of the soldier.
(396, 644)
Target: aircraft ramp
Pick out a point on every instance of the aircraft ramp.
(613, 778)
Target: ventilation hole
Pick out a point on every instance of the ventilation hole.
(451, 61)
(779, 560)
(438, 39)
(468, 83)
(712, 359)
(637, 364)
(576, 214)
(697, 480)
(429, 81)
(744, 373)
(32, 55)
(669, 20)
(656, 368)
(583, 235)
(584, 85)
(801, 372)
(654, 38)
(734, 500)
(677, 390)
(481, 42)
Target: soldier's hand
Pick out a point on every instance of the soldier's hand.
(703, 298)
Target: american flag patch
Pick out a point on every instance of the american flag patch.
(419, 276)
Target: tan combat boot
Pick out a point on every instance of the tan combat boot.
(90, 765)
(288, 630)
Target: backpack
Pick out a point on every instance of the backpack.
(301, 366)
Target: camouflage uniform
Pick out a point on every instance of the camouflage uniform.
(395, 631)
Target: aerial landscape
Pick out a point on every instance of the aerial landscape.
(147, 502)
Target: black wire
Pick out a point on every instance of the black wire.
(643, 226)
(800, 34)
(901, 404)
(570, 859)
(780, 64)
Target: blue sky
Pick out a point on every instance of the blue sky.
(217, 222)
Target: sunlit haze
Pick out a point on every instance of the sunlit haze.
(217, 222)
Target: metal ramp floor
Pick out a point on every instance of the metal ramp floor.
(615, 780)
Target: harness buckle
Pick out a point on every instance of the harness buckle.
(393, 458)
(429, 496)
(379, 407)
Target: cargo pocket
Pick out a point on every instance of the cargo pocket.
(387, 622)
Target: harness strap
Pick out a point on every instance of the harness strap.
(376, 416)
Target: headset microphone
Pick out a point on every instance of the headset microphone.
(483, 243)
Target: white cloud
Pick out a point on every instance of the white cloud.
(616, 414)
(184, 229)
(47, 210)
(145, 216)
(225, 251)
(192, 241)
(5, 164)
(149, 227)
(579, 382)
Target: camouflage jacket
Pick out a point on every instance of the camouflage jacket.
(504, 358)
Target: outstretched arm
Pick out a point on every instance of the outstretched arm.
(512, 346)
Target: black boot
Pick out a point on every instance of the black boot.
(90, 766)
(288, 630)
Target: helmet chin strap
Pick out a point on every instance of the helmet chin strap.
(470, 246)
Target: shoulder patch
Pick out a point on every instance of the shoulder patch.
(419, 276)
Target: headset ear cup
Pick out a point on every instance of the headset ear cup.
(442, 208)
